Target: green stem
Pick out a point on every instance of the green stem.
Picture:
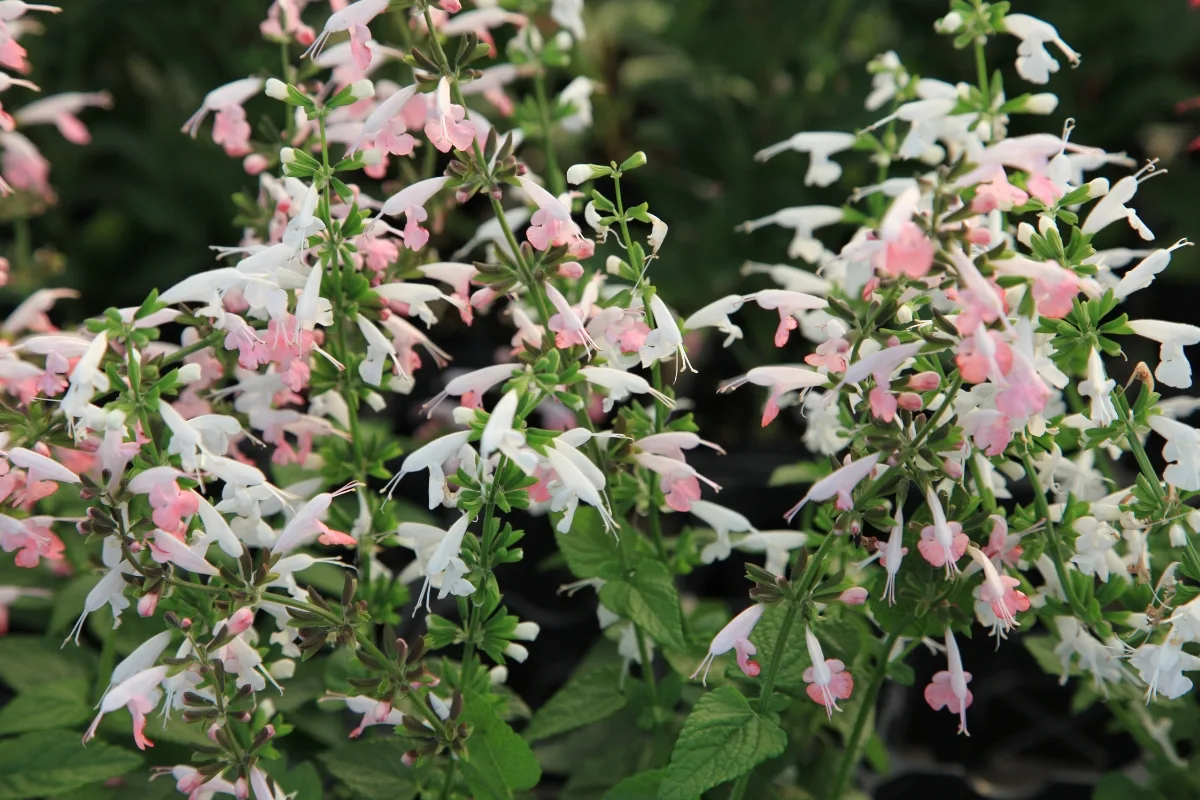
(853, 744)
(195, 347)
(557, 184)
(982, 485)
(445, 793)
(1135, 445)
(937, 415)
(1055, 545)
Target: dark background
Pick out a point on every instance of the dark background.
(699, 86)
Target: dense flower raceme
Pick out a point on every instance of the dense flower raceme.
(961, 331)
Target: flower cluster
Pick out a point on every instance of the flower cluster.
(224, 439)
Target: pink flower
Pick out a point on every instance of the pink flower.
(353, 18)
(997, 193)
(283, 22)
(948, 689)
(61, 110)
(991, 431)
(910, 401)
(883, 404)
(788, 304)
(230, 129)
(24, 166)
(942, 543)
(1044, 189)
(447, 127)
(984, 356)
(411, 203)
(735, 636)
(1000, 592)
(838, 484)
(910, 253)
(854, 596)
(1024, 394)
(781, 380)
(924, 381)
(827, 680)
(551, 225)
(1001, 544)
(679, 481)
(830, 354)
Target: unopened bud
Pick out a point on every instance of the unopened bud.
(579, 173)
(283, 669)
(951, 23)
(527, 631)
(241, 620)
(1041, 103)
(498, 676)
(1097, 187)
(924, 381)
(636, 160)
(362, 90)
(371, 157)
(1025, 233)
(287, 155)
(277, 89)
(854, 596)
(189, 373)
(612, 265)
(904, 314)
(516, 652)
(1177, 535)
(909, 401)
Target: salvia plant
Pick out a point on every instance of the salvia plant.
(235, 486)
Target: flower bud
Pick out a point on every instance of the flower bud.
(1025, 233)
(904, 314)
(277, 89)
(498, 676)
(909, 401)
(1193, 521)
(241, 620)
(1177, 535)
(636, 160)
(517, 653)
(1041, 103)
(463, 415)
(854, 596)
(579, 173)
(375, 401)
(283, 669)
(527, 631)
(1045, 225)
(924, 381)
(371, 157)
(362, 90)
(1097, 187)
(147, 604)
(612, 265)
(287, 155)
(951, 23)
(189, 373)
(254, 163)
(570, 269)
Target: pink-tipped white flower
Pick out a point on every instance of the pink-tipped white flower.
(781, 380)
(306, 525)
(839, 484)
(679, 481)
(231, 130)
(140, 693)
(61, 110)
(827, 679)
(353, 18)
(734, 636)
(568, 326)
(1000, 592)
(448, 127)
(410, 202)
(893, 553)
(470, 387)
(374, 712)
(788, 304)
(723, 521)
(942, 543)
(386, 119)
(716, 315)
(948, 689)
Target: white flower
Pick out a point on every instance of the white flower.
(1182, 451)
(1034, 62)
(1092, 544)
(569, 15)
(438, 556)
(1098, 387)
(803, 220)
(888, 77)
(820, 145)
(1111, 207)
(621, 385)
(435, 457)
(723, 521)
(777, 545)
(823, 429)
(1147, 269)
(1173, 368)
(716, 315)
(1162, 666)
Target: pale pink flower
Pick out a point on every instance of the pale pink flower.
(23, 165)
(480, 21)
(230, 128)
(411, 203)
(995, 192)
(447, 127)
(353, 18)
(735, 636)
(1001, 592)
(61, 110)
(948, 689)
(140, 693)
(283, 23)
(470, 387)
(307, 525)
(551, 225)
(854, 596)
(893, 553)
(788, 304)
(983, 356)
(170, 505)
(679, 481)
(827, 679)
(942, 543)
(883, 404)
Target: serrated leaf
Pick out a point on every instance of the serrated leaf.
(49, 706)
(590, 550)
(643, 786)
(498, 761)
(46, 763)
(28, 661)
(650, 600)
(589, 697)
(372, 770)
(722, 739)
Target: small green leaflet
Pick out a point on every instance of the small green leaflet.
(589, 697)
(722, 739)
(498, 761)
(47, 763)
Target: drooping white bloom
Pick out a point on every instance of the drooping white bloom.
(804, 220)
(446, 565)
(1173, 368)
(434, 457)
(1162, 666)
(1182, 452)
(1146, 270)
(1095, 657)
(1112, 206)
(381, 115)
(140, 693)
(777, 545)
(379, 350)
(1098, 387)
(723, 521)
(820, 145)
(665, 340)
(499, 434)
(1095, 538)
(893, 553)
(621, 384)
(39, 467)
(1034, 62)
(788, 277)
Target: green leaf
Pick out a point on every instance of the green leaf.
(1116, 786)
(59, 704)
(650, 600)
(722, 739)
(590, 550)
(47, 763)
(498, 760)
(643, 786)
(589, 697)
(372, 770)
(27, 661)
